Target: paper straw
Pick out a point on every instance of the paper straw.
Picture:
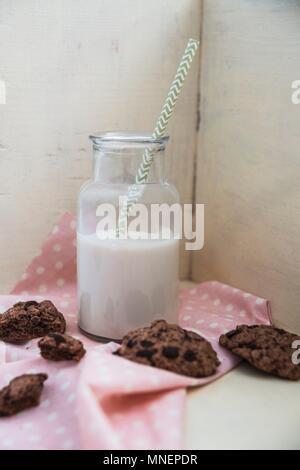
(143, 171)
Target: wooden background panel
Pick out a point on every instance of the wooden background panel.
(248, 151)
(72, 68)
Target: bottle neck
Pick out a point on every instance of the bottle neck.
(120, 166)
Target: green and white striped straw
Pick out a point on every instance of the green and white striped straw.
(135, 190)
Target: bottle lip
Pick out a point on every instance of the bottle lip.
(127, 137)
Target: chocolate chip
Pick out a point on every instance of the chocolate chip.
(57, 338)
(146, 344)
(130, 343)
(29, 303)
(170, 352)
(163, 330)
(231, 333)
(189, 356)
(147, 353)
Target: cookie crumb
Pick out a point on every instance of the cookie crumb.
(61, 347)
(21, 393)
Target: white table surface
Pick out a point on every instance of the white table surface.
(245, 409)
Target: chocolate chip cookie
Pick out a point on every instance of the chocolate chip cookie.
(265, 347)
(59, 347)
(170, 347)
(28, 320)
(21, 393)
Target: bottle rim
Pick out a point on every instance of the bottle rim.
(127, 137)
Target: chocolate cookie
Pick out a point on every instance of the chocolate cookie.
(28, 320)
(59, 347)
(265, 347)
(21, 393)
(171, 348)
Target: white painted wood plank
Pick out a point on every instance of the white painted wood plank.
(248, 151)
(71, 68)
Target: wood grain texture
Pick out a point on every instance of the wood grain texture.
(248, 151)
(72, 68)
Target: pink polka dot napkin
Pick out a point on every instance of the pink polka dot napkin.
(107, 402)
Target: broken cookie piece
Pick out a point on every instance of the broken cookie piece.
(27, 320)
(21, 393)
(265, 347)
(60, 347)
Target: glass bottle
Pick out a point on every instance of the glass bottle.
(125, 283)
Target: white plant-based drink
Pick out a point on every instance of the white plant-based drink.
(124, 284)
